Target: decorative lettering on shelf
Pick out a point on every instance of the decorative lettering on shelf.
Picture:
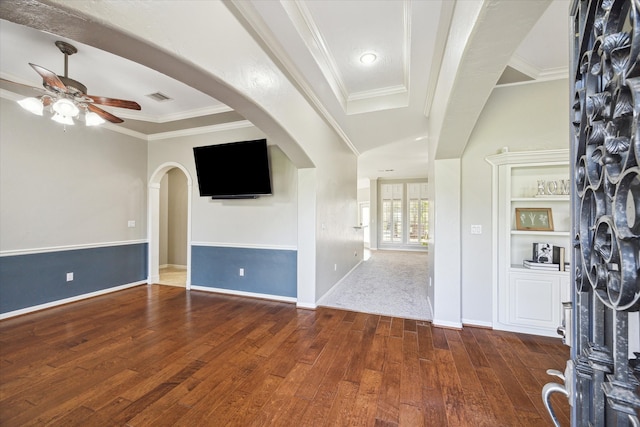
(553, 188)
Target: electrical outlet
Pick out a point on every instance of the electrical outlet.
(476, 229)
(131, 223)
(242, 272)
(70, 277)
(335, 267)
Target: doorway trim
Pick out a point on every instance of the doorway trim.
(153, 222)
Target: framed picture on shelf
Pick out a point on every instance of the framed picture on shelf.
(534, 219)
(543, 253)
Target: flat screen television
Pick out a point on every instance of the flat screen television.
(237, 170)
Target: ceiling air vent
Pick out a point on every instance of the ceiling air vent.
(159, 96)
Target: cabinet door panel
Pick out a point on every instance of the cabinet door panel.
(535, 300)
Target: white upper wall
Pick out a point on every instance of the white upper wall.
(525, 117)
(269, 221)
(62, 188)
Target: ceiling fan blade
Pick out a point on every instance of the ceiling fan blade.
(105, 115)
(50, 78)
(112, 102)
(22, 85)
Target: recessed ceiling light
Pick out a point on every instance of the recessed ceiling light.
(368, 58)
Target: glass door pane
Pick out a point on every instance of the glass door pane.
(403, 214)
(417, 212)
(392, 212)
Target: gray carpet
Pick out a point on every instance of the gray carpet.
(390, 283)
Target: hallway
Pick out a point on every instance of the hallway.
(389, 283)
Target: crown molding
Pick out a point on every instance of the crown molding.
(201, 130)
(538, 74)
(306, 27)
(276, 51)
(165, 118)
(560, 156)
(352, 103)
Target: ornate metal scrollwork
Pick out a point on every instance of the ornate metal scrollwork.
(605, 139)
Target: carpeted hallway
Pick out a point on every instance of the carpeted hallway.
(390, 283)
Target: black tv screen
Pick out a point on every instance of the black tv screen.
(234, 170)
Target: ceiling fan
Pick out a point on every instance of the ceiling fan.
(68, 97)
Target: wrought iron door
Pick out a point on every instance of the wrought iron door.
(601, 379)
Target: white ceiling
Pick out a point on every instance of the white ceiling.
(380, 109)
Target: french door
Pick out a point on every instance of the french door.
(403, 212)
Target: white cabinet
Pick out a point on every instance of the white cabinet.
(529, 300)
(534, 298)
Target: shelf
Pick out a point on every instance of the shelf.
(529, 299)
(540, 233)
(515, 268)
(541, 199)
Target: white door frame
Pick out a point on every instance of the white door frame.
(366, 225)
(153, 222)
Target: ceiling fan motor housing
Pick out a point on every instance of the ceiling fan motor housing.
(74, 86)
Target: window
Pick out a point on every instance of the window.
(403, 212)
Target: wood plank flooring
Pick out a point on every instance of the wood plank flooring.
(159, 356)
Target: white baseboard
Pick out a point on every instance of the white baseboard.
(546, 332)
(176, 266)
(68, 300)
(477, 323)
(446, 324)
(306, 306)
(244, 294)
(333, 288)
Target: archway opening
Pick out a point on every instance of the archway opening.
(169, 208)
(173, 229)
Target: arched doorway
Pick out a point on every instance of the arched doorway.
(155, 219)
(173, 228)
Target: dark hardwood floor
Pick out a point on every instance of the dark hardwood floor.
(159, 356)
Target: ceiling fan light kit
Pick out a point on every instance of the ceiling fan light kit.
(32, 105)
(68, 99)
(65, 120)
(65, 107)
(92, 119)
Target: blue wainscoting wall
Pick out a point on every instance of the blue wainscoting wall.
(266, 271)
(33, 279)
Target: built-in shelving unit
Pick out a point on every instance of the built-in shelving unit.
(529, 300)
